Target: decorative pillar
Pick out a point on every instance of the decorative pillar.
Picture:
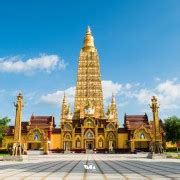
(73, 138)
(106, 140)
(82, 137)
(46, 147)
(154, 106)
(17, 147)
(96, 137)
(156, 144)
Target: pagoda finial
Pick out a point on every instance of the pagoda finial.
(88, 40)
(64, 108)
(113, 99)
(64, 98)
(88, 30)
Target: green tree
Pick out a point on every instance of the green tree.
(172, 129)
(3, 126)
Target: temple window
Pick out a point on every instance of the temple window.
(110, 127)
(67, 127)
(142, 136)
(78, 143)
(89, 122)
(111, 136)
(68, 137)
(36, 135)
(100, 143)
(89, 135)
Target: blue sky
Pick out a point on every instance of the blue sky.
(138, 44)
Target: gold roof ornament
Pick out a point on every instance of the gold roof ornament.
(154, 104)
(88, 40)
(113, 99)
(64, 99)
(109, 109)
(89, 104)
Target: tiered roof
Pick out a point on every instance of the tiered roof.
(10, 130)
(132, 122)
(44, 122)
(41, 122)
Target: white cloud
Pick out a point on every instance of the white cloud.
(168, 94)
(128, 86)
(143, 96)
(122, 104)
(62, 64)
(42, 63)
(57, 97)
(157, 79)
(110, 88)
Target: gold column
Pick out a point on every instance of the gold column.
(17, 147)
(18, 119)
(82, 137)
(96, 137)
(156, 144)
(46, 150)
(73, 138)
(154, 106)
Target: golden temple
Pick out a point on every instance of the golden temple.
(89, 128)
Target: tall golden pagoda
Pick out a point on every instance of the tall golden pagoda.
(89, 127)
(88, 86)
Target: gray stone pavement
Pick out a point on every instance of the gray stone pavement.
(90, 166)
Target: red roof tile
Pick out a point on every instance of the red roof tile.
(42, 121)
(56, 131)
(131, 122)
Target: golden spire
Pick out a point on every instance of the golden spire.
(114, 108)
(113, 99)
(64, 99)
(88, 30)
(88, 85)
(64, 107)
(88, 40)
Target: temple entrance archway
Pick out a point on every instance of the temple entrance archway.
(67, 145)
(34, 146)
(67, 142)
(111, 141)
(37, 141)
(141, 139)
(89, 145)
(89, 141)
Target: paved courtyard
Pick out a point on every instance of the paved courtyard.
(90, 166)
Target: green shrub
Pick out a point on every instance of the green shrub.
(3, 151)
